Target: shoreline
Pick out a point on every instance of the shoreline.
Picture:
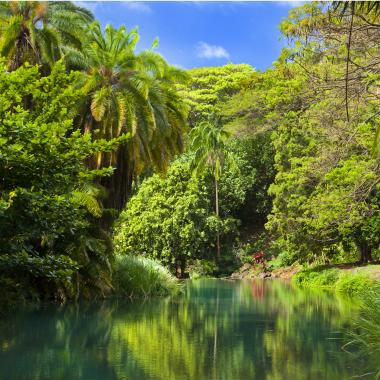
(352, 279)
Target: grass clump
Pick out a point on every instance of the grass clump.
(352, 284)
(136, 276)
(317, 277)
(365, 336)
(332, 278)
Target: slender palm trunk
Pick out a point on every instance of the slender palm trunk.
(217, 214)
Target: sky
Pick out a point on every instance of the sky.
(195, 34)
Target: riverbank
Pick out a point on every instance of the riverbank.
(133, 277)
(250, 271)
(347, 278)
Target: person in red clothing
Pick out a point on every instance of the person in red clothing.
(258, 257)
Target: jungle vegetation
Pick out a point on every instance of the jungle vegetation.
(106, 151)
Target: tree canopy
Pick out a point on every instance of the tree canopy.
(210, 87)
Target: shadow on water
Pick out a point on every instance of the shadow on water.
(264, 330)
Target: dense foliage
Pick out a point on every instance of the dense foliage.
(210, 87)
(312, 126)
(326, 191)
(173, 218)
(48, 204)
(73, 143)
(318, 105)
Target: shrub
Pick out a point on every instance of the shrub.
(354, 283)
(201, 268)
(137, 276)
(318, 277)
(286, 259)
(345, 282)
(22, 274)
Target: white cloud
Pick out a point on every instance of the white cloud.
(211, 51)
(138, 6)
(91, 5)
(293, 4)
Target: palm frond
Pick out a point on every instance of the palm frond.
(49, 40)
(9, 35)
(99, 103)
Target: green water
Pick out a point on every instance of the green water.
(218, 329)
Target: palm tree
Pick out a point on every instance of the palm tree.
(208, 142)
(38, 32)
(369, 8)
(130, 95)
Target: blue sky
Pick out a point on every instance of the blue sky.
(194, 34)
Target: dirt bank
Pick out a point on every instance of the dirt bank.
(250, 271)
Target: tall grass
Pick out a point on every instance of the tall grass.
(332, 278)
(355, 284)
(365, 337)
(136, 276)
(316, 277)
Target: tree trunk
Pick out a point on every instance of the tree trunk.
(183, 267)
(347, 62)
(118, 188)
(119, 184)
(217, 214)
(365, 252)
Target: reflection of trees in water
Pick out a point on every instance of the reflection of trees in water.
(182, 340)
(57, 343)
(285, 335)
(217, 330)
(301, 344)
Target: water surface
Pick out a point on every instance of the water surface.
(264, 330)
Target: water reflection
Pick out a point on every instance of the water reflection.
(264, 330)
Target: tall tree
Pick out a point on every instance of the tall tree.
(133, 94)
(40, 32)
(208, 140)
